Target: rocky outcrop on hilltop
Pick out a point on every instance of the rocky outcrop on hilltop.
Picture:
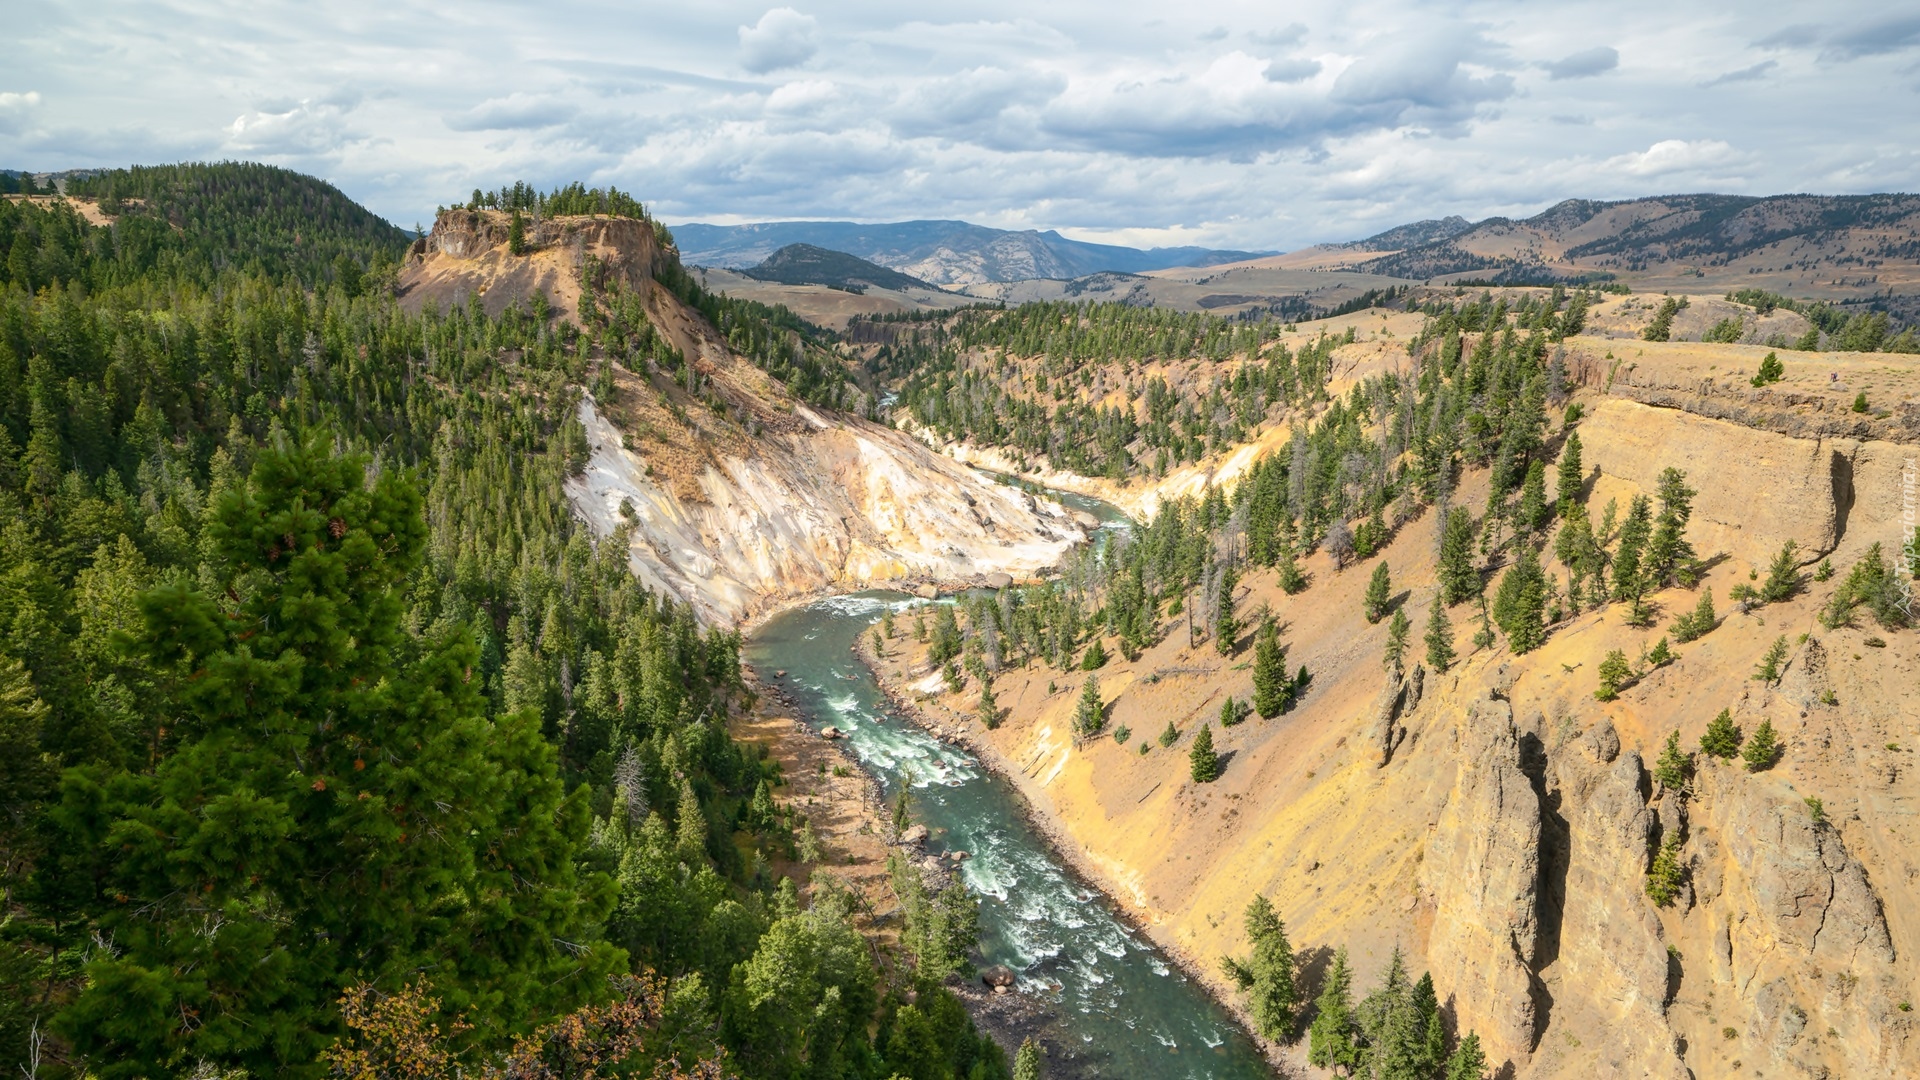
(739, 496)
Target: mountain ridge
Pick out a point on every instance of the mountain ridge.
(941, 252)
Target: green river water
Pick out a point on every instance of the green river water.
(1115, 1006)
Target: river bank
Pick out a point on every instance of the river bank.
(834, 792)
(1104, 1001)
(895, 677)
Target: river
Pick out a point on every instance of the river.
(1116, 1006)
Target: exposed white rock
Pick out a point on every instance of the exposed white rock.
(843, 505)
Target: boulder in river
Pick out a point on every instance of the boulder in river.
(831, 732)
(999, 579)
(1084, 519)
(926, 592)
(915, 835)
(998, 976)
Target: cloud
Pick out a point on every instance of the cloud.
(783, 38)
(1287, 35)
(308, 129)
(15, 108)
(1745, 74)
(1291, 70)
(1584, 64)
(1422, 80)
(516, 111)
(1669, 156)
(1873, 38)
(975, 104)
(1792, 36)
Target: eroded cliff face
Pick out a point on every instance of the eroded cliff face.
(1482, 877)
(842, 505)
(734, 496)
(1497, 822)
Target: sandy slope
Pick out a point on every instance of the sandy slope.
(1504, 840)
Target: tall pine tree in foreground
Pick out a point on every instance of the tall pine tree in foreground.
(332, 808)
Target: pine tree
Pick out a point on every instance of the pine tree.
(1783, 575)
(1698, 622)
(1570, 480)
(1333, 1040)
(1629, 582)
(1439, 638)
(1459, 579)
(989, 708)
(1660, 655)
(1615, 673)
(1272, 690)
(1669, 556)
(1769, 667)
(1266, 977)
(1394, 657)
(1205, 764)
(1379, 591)
(1292, 580)
(1673, 764)
(1722, 737)
(1468, 1062)
(1394, 1030)
(1763, 750)
(1665, 875)
(334, 801)
(1531, 515)
(517, 234)
(1095, 657)
(1026, 1061)
(1519, 606)
(1226, 625)
(691, 830)
(1432, 1030)
(1170, 736)
(1091, 714)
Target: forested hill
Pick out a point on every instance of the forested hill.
(247, 216)
(330, 740)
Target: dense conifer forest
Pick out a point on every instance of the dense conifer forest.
(331, 743)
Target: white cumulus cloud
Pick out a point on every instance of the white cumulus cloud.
(783, 38)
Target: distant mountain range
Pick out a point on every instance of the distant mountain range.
(939, 252)
(805, 264)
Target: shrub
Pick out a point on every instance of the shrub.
(1771, 371)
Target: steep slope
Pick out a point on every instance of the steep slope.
(1497, 821)
(734, 495)
(941, 252)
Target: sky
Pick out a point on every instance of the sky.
(1261, 126)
